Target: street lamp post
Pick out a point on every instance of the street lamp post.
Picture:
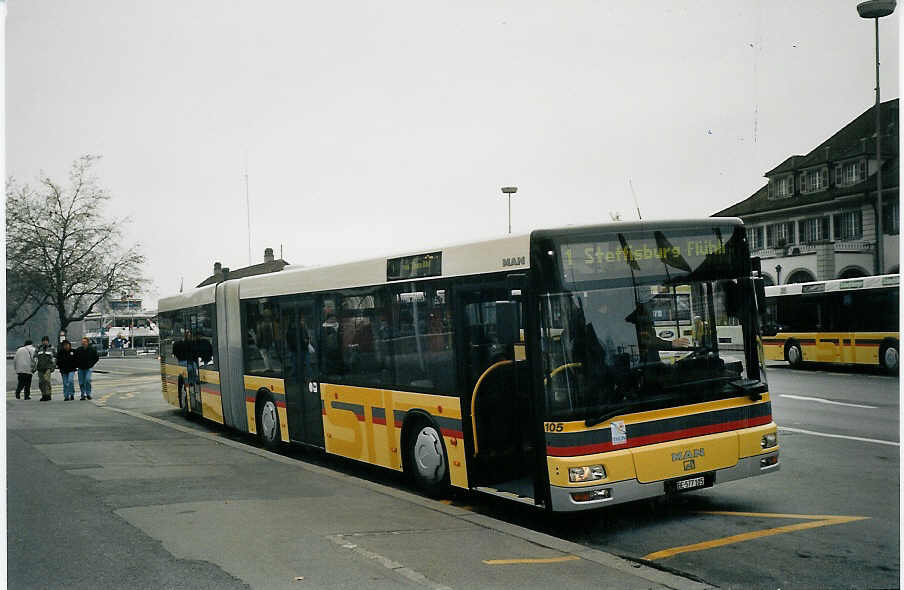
(876, 9)
(509, 191)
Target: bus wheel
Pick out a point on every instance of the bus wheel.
(268, 422)
(888, 356)
(427, 462)
(794, 355)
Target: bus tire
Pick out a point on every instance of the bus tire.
(888, 356)
(267, 421)
(794, 355)
(426, 460)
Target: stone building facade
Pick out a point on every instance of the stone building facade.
(815, 219)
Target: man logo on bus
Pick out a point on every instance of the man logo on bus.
(688, 454)
(513, 261)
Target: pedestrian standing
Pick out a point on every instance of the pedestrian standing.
(85, 359)
(45, 362)
(67, 365)
(24, 366)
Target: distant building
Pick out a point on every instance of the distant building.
(122, 327)
(221, 273)
(815, 219)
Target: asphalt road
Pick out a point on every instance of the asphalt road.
(829, 519)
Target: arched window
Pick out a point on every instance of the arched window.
(800, 276)
(852, 272)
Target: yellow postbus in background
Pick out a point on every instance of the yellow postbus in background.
(527, 367)
(851, 321)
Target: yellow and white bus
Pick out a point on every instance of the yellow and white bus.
(851, 321)
(527, 367)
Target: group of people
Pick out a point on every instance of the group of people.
(44, 359)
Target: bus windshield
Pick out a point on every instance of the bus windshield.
(634, 322)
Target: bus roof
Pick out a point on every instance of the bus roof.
(874, 282)
(508, 253)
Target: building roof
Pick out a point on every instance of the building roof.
(857, 138)
(247, 271)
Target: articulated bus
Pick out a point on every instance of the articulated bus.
(851, 321)
(527, 367)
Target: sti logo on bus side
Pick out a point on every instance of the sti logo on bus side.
(689, 454)
(514, 261)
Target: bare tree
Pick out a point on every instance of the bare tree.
(62, 251)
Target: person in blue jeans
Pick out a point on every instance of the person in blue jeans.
(67, 365)
(85, 359)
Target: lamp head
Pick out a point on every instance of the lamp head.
(876, 8)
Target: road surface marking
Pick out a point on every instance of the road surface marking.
(825, 401)
(454, 505)
(536, 560)
(844, 436)
(815, 521)
(416, 577)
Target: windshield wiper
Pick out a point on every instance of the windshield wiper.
(603, 417)
(751, 387)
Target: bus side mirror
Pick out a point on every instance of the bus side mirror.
(508, 328)
(732, 292)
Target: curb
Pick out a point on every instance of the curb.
(651, 574)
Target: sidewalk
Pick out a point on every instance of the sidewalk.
(225, 508)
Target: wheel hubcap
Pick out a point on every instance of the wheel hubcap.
(268, 421)
(891, 358)
(794, 354)
(428, 454)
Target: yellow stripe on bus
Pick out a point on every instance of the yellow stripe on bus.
(254, 383)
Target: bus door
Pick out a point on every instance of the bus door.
(497, 404)
(303, 405)
(193, 379)
(829, 339)
(847, 319)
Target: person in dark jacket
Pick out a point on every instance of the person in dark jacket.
(67, 365)
(44, 364)
(85, 359)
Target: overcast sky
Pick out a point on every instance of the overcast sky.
(375, 127)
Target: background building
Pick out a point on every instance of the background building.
(221, 273)
(815, 218)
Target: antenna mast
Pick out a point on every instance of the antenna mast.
(631, 184)
(248, 208)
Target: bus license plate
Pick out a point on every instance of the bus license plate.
(690, 484)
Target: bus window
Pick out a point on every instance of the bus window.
(422, 338)
(262, 344)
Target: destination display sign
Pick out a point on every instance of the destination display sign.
(645, 253)
(416, 266)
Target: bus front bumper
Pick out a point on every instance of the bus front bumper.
(631, 489)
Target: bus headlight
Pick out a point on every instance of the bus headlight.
(589, 473)
(769, 440)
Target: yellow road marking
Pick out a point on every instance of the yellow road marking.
(104, 398)
(816, 521)
(536, 560)
(774, 515)
(454, 505)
